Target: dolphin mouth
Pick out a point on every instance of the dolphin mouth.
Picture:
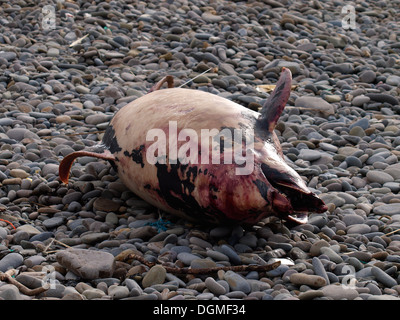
(301, 203)
(291, 200)
(298, 217)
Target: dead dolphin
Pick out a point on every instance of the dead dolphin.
(197, 180)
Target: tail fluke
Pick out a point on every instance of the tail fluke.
(66, 163)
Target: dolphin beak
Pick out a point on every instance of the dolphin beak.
(292, 199)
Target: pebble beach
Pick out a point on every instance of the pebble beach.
(66, 67)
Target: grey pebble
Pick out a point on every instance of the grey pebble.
(351, 219)
(319, 269)
(205, 296)
(42, 236)
(237, 282)
(6, 121)
(309, 155)
(187, 257)
(200, 242)
(331, 254)
(11, 261)
(217, 256)
(367, 76)
(383, 297)
(358, 229)
(118, 292)
(202, 263)
(387, 209)
(88, 264)
(53, 222)
(393, 80)
(10, 292)
(338, 292)
(230, 253)
(280, 270)
(9, 56)
(353, 161)
(379, 176)
(220, 232)
(383, 277)
(3, 233)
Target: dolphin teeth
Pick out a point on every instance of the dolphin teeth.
(298, 217)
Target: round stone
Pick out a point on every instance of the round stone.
(237, 282)
(309, 155)
(383, 277)
(11, 261)
(187, 257)
(338, 292)
(367, 76)
(156, 275)
(307, 279)
(379, 176)
(360, 100)
(358, 229)
(214, 286)
(353, 161)
(53, 222)
(357, 131)
(388, 209)
(88, 264)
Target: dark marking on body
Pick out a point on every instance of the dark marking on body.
(213, 190)
(171, 187)
(136, 155)
(113, 165)
(276, 177)
(177, 190)
(110, 140)
(263, 188)
(261, 131)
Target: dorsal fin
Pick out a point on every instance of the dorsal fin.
(273, 107)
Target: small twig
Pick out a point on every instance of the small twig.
(391, 232)
(385, 216)
(194, 78)
(74, 134)
(7, 276)
(62, 243)
(78, 41)
(241, 268)
(51, 243)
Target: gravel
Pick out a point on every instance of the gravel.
(60, 87)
